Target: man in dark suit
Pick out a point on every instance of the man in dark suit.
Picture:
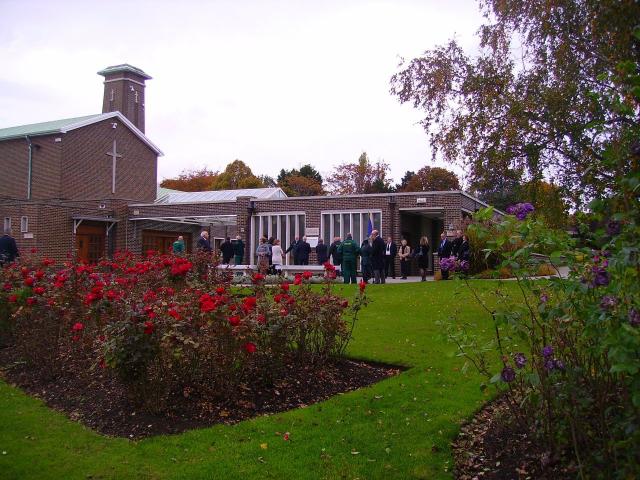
(227, 251)
(390, 257)
(204, 245)
(444, 251)
(293, 248)
(304, 250)
(377, 257)
(456, 243)
(321, 252)
(8, 248)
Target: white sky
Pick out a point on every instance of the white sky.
(276, 84)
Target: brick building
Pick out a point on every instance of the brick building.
(87, 186)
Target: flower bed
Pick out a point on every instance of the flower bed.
(163, 325)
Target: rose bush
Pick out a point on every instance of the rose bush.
(166, 325)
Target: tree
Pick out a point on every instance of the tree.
(268, 181)
(235, 176)
(527, 103)
(360, 177)
(192, 180)
(430, 179)
(405, 180)
(303, 182)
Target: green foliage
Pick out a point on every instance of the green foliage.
(526, 105)
(429, 179)
(236, 175)
(360, 177)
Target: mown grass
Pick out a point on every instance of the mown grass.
(399, 428)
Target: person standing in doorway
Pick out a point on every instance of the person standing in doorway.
(8, 248)
(322, 252)
(422, 254)
(349, 252)
(204, 245)
(405, 258)
(238, 250)
(227, 251)
(390, 253)
(178, 246)
(377, 257)
(263, 252)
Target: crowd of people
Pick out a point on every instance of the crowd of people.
(377, 256)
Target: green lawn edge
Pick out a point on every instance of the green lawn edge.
(400, 428)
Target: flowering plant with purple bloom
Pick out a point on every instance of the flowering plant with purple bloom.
(520, 210)
(520, 360)
(634, 317)
(608, 302)
(447, 264)
(508, 374)
(547, 351)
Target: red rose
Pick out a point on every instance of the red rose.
(77, 327)
(257, 278)
(13, 298)
(39, 274)
(174, 313)
(329, 267)
(220, 290)
(344, 304)
(207, 306)
(34, 250)
(250, 347)
(297, 280)
(284, 312)
(7, 287)
(285, 287)
(362, 285)
(38, 290)
(249, 303)
(29, 281)
(261, 318)
(307, 275)
(234, 320)
(31, 300)
(149, 327)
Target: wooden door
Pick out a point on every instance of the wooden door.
(162, 242)
(90, 242)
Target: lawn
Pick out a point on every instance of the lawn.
(399, 428)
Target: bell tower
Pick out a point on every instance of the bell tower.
(124, 92)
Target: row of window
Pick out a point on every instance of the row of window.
(288, 225)
(24, 224)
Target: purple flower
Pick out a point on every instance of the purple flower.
(613, 228)
(520, 210)
(520, 360)
(600, 276)
(634, 317)
(463, 266)
(544, 298)
(508, 374)
(549, 364)
(547, 351)
(559, 364)
(447, 264)
(608, 301)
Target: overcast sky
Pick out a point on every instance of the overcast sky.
(277, 84)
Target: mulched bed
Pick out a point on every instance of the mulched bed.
(102, 404)
(494, 446)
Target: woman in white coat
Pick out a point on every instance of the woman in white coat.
(276, 255)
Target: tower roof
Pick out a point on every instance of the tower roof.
(125, 67)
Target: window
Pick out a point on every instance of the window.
(7, 224)
(359, 223)
(24, 224)
(282, 226)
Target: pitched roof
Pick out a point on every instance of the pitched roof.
(218, 195)
(66, 124)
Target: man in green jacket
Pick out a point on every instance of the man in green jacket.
(349, 251)
(238, 250)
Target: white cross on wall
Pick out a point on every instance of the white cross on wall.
(114, 156)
